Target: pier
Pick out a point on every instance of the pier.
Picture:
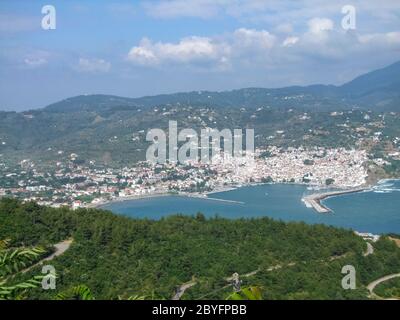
(314, 200)
(206, 197)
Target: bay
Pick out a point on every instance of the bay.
(376, 210)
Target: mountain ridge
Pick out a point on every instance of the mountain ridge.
(111, 129)
(378, 88)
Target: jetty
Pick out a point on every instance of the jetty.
(206, 197)
(226, 200)
(314, 200)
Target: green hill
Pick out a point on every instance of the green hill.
(111, 130)
(115, 255)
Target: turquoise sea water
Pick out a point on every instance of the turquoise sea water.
(376, 210)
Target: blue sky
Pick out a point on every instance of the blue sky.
(135, 48)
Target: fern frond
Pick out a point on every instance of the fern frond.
(80, 292)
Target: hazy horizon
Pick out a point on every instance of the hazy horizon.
(172, 92)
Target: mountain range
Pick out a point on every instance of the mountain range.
(110, 129)
(376, 89)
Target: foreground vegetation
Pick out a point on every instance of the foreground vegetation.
(389, 289)
(13, 261)
(122, 257)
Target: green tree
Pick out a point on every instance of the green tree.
(12, 261)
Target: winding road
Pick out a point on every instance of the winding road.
(373, 284)
(370, 250)
(183, 287)
(60, 248)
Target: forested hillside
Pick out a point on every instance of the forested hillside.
(118, 256)
(117, 136)
(111, 130)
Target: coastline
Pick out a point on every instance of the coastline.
(314, 201)
(311, 201)
(99, 205)
(204, 196)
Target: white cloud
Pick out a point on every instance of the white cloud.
(393, 37)
(35, 59)
(290, 41)
(217, 51)
(187, 50)
(35, 62)
(254, 39)
(143, 53)
(276, 11)
(255, 48)
(93, 65)
(319, 25)
(315, 22)
(390, 38)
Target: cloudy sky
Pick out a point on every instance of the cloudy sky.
(134, 48)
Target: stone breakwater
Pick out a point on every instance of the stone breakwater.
(314, 200)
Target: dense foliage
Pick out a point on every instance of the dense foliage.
(117, 256)
(389, 289)
(14, 261)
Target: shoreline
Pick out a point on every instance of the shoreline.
(311, 201)
(204, 196)
(101, 204)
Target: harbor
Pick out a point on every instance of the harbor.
(314, 200)
(367, 211)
